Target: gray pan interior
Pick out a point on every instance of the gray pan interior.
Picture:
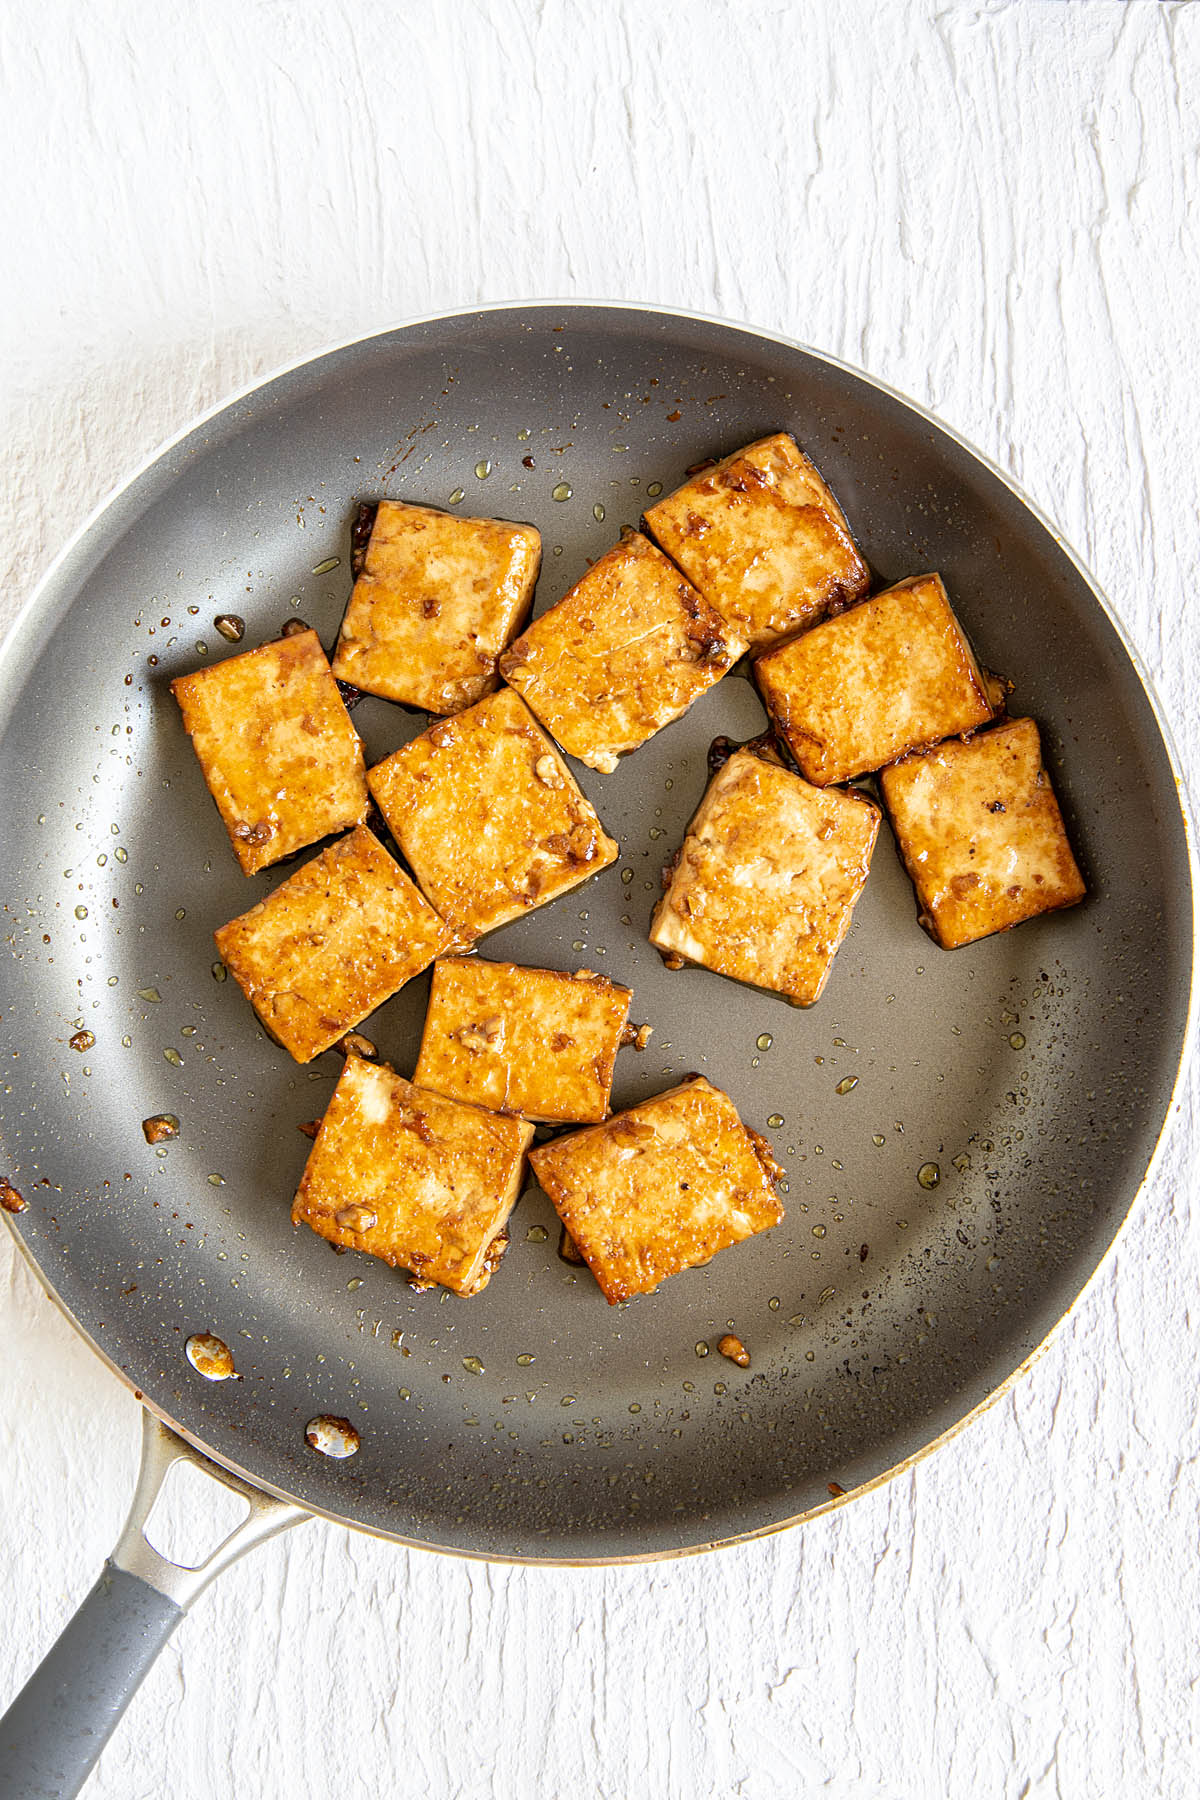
(1035, 1069)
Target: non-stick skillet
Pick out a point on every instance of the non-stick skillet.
(1027, 1078)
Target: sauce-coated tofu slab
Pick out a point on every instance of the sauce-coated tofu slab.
(623, 654)
(766, 880)
(276, 747)
(981, 835)
(422, 1182)
(489, 816)
(659, 1188)
(437, 600)
(529, 1041)
(893, 674)
(340, 936)
(763, 538)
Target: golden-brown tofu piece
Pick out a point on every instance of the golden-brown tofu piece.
(763, 538)
(276, 747)
(620, 656)
(893, 674)
(659, 1188)
(489, 816)
(422, 1182)
(979, 829)
(341, 935)
(530, 1041)
(437, 600)
(766, 881)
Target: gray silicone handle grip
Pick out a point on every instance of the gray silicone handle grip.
(55, 1729)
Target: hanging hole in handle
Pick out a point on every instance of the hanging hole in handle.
(192, 1516)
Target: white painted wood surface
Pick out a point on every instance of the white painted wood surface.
(992, 207)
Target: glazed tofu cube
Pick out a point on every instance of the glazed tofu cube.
(893, 674)
(276, 747)
(341, 936)
(979, 829)
(766, 881)
(489, 815)
(529, 1041)
(660, 1188)
(422, 1182)
(437, 599)
(763, 538)
(623, 654)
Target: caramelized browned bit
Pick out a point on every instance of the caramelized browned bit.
(361, 527)
(262, 833)
(293, 628)
(492, 1259)
(159, 1127)
(698, 468)
(836, 1489)
(351, 695)
(419, 1285)
(331, 1435)
(568, 1249)
(231, 627)
(766, 1156)
(671, 961)
(10, 1200)
(83, 1040)
(310, 1127)
(355, 1044)
(864, 1250)
(733, 1348)
(527, 462)
(355, 1217)
(481, 1034)
(637, 1035)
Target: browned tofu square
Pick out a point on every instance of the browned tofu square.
(276, 747)
(530, 1041)
(893, 674)
(981, 835)
(437, 600)
(489, 816)
(620, 656)
(422, 1182)
(763, 538)
(341, 935)
(659, 1188)
(766, 881)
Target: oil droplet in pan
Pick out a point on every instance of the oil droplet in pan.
(483, 469)
(456, 496)
(561, 492)
(1017, 1040)
(846, 1085)
(775, 1121)
(764, 1040)
(598, 513)
(472, 1365)
(211, 1357)
(929, 1175)
(323, 568)
(331, 1435)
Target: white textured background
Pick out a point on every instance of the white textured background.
(991, 206)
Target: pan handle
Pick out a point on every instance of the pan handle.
(55, 1729)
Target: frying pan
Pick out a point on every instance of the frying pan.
(945, 1208)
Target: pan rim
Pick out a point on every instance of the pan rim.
(29, 615)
